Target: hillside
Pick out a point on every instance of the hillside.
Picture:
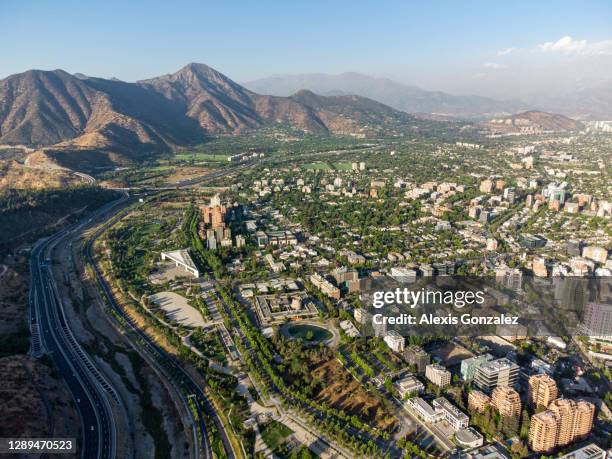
(90, 122)
(533, 122)
(410, 99)
(581, 103)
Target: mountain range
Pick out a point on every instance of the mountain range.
(584, 103)
(78, 120)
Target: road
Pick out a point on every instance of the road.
(93, 395)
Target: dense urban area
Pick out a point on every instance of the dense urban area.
(224, 290)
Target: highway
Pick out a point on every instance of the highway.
(93, 395)
(51, 333)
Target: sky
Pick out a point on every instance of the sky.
(494, 48)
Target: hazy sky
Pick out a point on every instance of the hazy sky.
(484, 47)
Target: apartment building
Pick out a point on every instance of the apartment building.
(542, 391)
(507, 402)
(438, 375)
(543, 432)
(395, 341)
(563, 423)
(478, 401)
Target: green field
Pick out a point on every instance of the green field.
(309, 333)
(342, 166)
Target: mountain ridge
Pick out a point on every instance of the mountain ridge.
(594, 103)
(112, 121)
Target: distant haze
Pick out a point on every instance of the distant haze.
(582, 103)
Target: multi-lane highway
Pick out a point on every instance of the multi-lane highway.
(92, 393)
(51, 333)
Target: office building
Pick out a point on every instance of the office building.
(418, 357)
(500, 372)
(424, 410)
(597, 320)
(451, 414)
(438, 375)
(469, 366)
(542, 390)
(532, 241)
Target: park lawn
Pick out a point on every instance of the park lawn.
(343, 166)
(274, 434)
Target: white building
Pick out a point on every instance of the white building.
(395, 341)
(409, 385)
(450, 413)
(404, 275)
(438, 375)
(349, 329)
(181, 258)
(424, 410)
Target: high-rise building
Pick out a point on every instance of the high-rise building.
(469, 366)
(478, 401)
(564, 422)
(418, 357)
(500, 372)
(438, 375)
(598, 254)
(543, 432)
(584, 415)
(507, 402)
(597, 320)
(542, 391)
(486, 186)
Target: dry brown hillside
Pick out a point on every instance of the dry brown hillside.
(18, 176)
(109, 121)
